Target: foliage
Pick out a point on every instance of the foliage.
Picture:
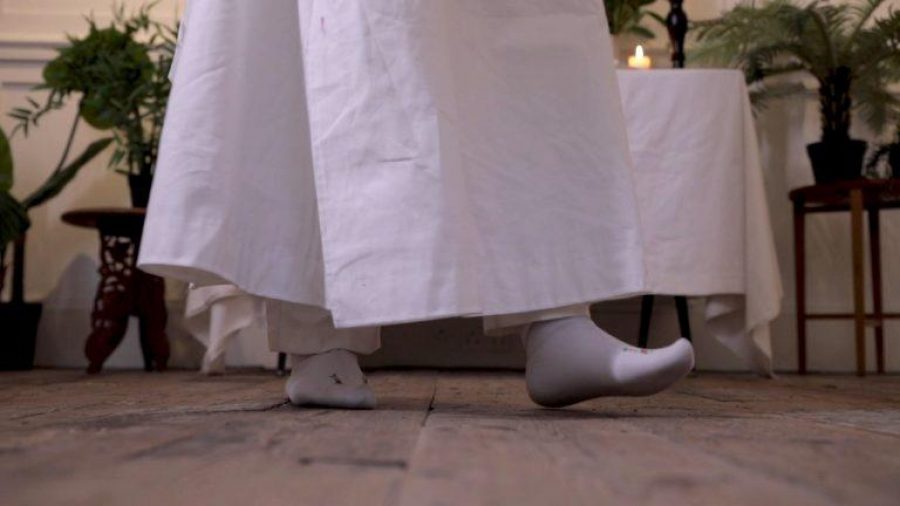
(628, 16)
(13, 216)
(119, 74)
(853, 56)
(14, 220)
(6, 163)
(64, 175)
(882, 152)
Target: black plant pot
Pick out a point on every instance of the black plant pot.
(894, 161)
(837, 160)
(140, 184)
(18, 333)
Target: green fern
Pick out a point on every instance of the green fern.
(853, 56)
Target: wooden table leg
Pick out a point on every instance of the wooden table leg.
(800, 280)
(684, 317)
(859, 296)
(877, 296)
(113, 302)
(282, 364)
(150, 308)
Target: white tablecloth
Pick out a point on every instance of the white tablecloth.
(703, 203)
(704, 213)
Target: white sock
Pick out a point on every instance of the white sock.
(332, 379)
(572, 360)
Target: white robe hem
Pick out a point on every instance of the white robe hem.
(205, 276)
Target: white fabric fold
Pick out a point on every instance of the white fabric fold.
(215, 315)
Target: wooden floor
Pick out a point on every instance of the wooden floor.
(443, 438)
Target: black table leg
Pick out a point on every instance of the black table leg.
(684, 317)
(282, 364)
(646, 315)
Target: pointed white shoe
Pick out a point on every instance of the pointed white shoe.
(329, 380)
(571, 360)
(638, 376)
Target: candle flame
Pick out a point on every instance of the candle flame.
(639, 52)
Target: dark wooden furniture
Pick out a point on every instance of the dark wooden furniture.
(123, 290)
(857, 197)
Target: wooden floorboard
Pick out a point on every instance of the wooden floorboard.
(485, 443)
(183, 439)
(445, 438)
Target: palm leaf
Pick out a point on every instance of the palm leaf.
(827, 21)
(864, 13)
(58, 181)
(879, 46)
(13, 219)
(823, 39)
(6, 163)
(877, 106)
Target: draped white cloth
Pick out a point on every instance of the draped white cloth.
(703, 202)
(397, 160)
(215, 315)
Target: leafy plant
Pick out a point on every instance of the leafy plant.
(119, 74)
(853, 56)
(628, 16)
(883, 151)
(13, 216)
(14, 222)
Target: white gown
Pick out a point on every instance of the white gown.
(397, 160)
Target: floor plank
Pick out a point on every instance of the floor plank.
(515, 453)
(194, 440)
(445, 438)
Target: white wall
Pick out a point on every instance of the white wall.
(62, 260)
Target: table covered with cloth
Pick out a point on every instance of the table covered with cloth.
(702, 198)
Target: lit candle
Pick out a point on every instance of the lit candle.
(639, 61)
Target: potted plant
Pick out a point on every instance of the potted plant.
(853, 56)
(19, 319)
(626, 19)
(891, 151)
(119, 75)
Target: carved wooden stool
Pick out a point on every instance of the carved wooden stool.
(123, 290)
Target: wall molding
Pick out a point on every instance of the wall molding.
(32, 52)
(31, 30)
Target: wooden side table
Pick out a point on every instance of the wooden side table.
(857, 197)
(123, 290)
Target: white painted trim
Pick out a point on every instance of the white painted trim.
(27, 51)
(32, 40)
